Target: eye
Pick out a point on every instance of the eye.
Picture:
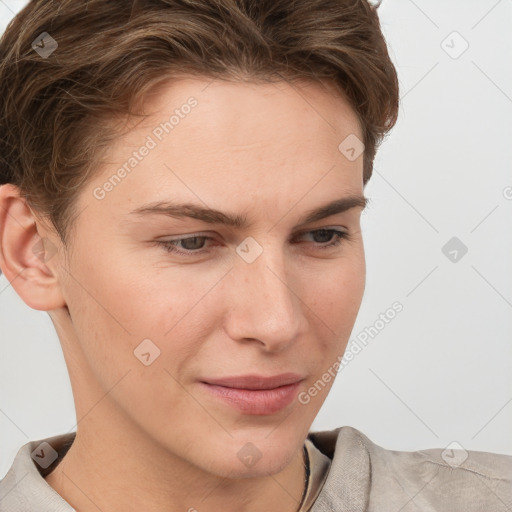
(328, 234)
(195, 244)
(192, 244)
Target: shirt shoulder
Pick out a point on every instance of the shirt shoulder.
(23, 488)
(366, 476)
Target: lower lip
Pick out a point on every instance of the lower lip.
(255, 401)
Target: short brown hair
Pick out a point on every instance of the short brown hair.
(55, 111)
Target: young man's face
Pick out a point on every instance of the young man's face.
(149, 329)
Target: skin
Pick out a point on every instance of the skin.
(149, 437)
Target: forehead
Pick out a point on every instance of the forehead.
(230, 142)
(301, 106)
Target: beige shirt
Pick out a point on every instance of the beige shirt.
(319, 465)
(350, 474)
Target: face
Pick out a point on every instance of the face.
(177, 312)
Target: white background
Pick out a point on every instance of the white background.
(441, 371)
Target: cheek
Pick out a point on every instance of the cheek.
(140, 298)
(128, 303)
(119, 316)
(334, 297)
(336, 292)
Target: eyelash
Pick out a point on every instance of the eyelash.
(169, 245)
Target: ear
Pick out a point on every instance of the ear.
(27, 255)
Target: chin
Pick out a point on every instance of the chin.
(254, 458)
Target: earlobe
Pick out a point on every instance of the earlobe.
(28, 257)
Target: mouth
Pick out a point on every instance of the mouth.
(254, 394)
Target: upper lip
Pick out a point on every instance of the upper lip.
(256, 381)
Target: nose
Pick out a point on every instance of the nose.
(263, 306)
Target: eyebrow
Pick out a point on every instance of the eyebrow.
(212, 216)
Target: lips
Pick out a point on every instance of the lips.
(256, 381)
(254, 394)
